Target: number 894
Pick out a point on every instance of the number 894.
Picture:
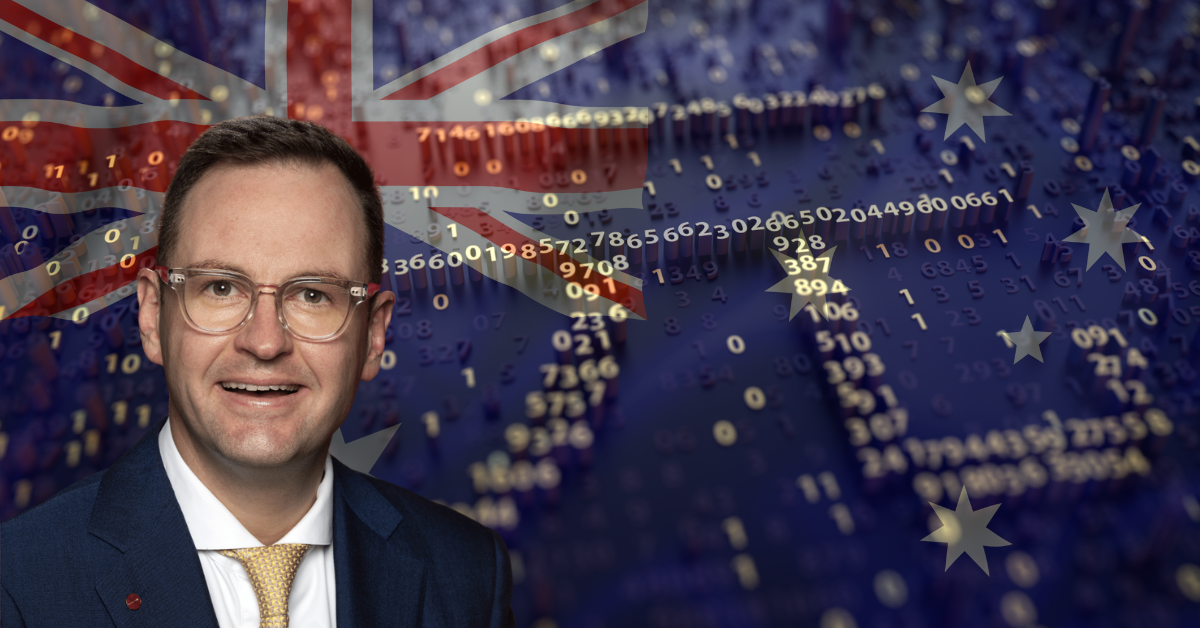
(818, 287)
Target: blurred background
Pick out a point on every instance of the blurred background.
(680, 446)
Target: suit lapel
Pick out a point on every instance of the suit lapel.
(136, 513)
(381, 560)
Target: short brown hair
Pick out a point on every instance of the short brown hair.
(258, 140)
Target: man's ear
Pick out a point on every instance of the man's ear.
(377, 324)
(149, 296)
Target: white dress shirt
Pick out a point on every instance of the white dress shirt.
(313, 599)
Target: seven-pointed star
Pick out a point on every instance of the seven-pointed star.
(966, 102)
(788, 284)
(965, 530)
(1028, 341)
(1104, 230)
(362, 454)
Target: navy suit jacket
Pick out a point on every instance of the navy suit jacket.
(400, 559)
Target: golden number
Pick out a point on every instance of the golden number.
(725, 433)
(755, 399)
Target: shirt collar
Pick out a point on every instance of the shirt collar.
(211, 524)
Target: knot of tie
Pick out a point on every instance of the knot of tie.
(272, 570)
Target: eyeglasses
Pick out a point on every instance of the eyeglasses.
(310, 308)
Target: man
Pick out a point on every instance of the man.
(264, 313)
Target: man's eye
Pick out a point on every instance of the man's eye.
(313, 297)
(221, 288)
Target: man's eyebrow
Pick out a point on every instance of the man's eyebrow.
(324, 272)
(216, 264)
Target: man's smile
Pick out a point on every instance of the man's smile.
(262, 395)
(262, 390)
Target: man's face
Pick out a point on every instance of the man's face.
(271, 223)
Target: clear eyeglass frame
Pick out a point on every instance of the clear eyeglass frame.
(176, 277)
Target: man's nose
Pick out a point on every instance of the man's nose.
(264, 336)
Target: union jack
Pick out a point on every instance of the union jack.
(446, 144)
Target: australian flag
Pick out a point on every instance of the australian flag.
(99, 100)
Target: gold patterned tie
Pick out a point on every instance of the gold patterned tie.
(272, 569)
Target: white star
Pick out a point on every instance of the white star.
(1104, 231)
(965, 531)
(1027, 341)
(362, 454)
(815, 291)
(966, 102)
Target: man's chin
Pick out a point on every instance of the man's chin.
(266, 461)
(260, 451)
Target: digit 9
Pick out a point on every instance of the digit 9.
(806, 287)
(854, 367)
(1094, 335)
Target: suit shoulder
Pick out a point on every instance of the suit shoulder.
(62, 518)
(70, 505)
(436, 519)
